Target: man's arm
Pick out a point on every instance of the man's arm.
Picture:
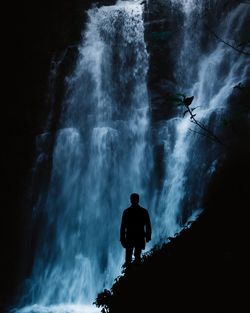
(123, 230)
(148, 227)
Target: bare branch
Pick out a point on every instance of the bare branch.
(228, 44)
(202, 134)
(207, 131)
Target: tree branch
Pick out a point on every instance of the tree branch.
(228, 44)
(208, 132)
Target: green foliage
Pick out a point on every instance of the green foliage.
(103, 300)
(181, 95)
(160, 36)
(176, 99)
(240, 86)
(159, 39)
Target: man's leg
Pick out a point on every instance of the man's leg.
(128, 257)
(137, 255)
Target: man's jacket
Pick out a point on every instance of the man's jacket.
(135, 227)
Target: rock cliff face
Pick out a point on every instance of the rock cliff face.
(39, 31)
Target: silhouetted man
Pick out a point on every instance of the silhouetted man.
(135, 229)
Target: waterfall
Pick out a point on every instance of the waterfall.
(103, 151)
(100, 152)
(190, 159)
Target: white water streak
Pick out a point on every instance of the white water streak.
(217, 73)
(99, 156)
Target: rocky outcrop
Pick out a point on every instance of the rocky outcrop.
(197, 270)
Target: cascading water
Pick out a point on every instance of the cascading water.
(103, 152)
(209, 77)
(100, 152)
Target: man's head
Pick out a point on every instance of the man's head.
(134, 198)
